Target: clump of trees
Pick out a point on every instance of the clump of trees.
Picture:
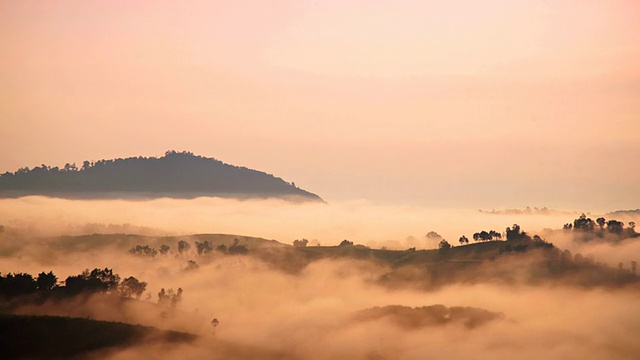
(183, 246)
(170, 297)
(192, 265)
(487, 235)
(346, 242)
(203, 247)
(444, 245)
(103, 281)
(132, 287)
(143, 250)
(610, 230)
(514, 233)
(300, 243)
(237, 248)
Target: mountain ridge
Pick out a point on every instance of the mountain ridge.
(175, 175)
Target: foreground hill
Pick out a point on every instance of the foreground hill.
(176, 174)
(50, 337)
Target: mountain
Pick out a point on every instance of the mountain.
(176, 175)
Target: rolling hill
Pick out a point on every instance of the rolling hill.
(55, 337)
(175, 175)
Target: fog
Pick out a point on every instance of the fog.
(394, 226)
(267, 313)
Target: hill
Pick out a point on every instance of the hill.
(48, 337)
(176, 175)
(509, 262)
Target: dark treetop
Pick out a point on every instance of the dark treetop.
(176, 174)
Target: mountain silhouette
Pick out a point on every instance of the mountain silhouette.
(176, 175)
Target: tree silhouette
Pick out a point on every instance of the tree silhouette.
(183, 246)
(176, 298)
(46, 281)
(237, 248)
(164, 249)
(132, 287)
(615, 226)
(192, 265)
(463, 240)
(203, 247)
(214, 323)
(145, 250)
(583, 223)
(17, 284)
(444, 245)
(346, 242)
(300, 243)
(98, 280)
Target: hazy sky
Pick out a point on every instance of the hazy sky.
(459, 103)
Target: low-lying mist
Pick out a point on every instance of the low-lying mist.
(359, 221)
(312, 315)
(267, 313)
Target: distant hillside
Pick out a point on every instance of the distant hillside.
(176, 174)
(624, 213)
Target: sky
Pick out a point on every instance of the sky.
(467, 104)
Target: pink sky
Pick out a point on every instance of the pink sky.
(480, 104)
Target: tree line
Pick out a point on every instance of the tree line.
(96, 281)
(103, 281)
(184, 247)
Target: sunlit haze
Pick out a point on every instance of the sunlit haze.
(397, 180)
(464, 104)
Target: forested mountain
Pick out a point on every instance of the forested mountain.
(176, 174)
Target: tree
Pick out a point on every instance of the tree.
(463, 240)
(203, 247)
(484, 236)
(214, 323)
(346, 242)
(444, 245)
(98, 280)
(221, 248)
(514, 233)
(131, 287)
(164, 249)
(601, 221)
(46, 281)
(163, 297)
(237, 248)
(17, 285)
(192, 265)
(183, 246)
(615, 226)
(145, 250)
(300, 243)
(433, 235)
(176, 298)
(583, 223)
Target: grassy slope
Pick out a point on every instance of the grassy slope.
(53, 337)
